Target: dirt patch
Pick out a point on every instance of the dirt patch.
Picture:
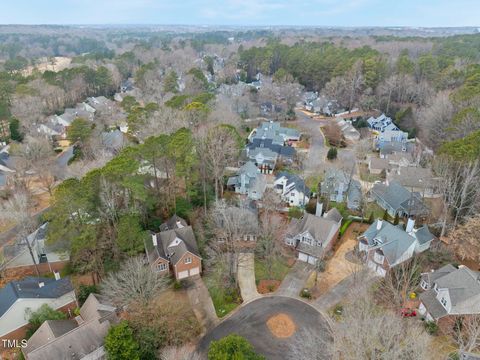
(281, 326)
(267, 286)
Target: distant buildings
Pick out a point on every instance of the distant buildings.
(386, 130)
(270, 143)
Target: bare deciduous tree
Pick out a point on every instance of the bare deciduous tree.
(465, 239)
(18, 210)
(466, 333)
(134, 283)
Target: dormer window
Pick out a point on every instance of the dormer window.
(377, 241)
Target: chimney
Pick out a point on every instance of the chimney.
(154, 239)
(410, 225)
(379, 224)
(41, 284)
(57, 275)
(319, 209)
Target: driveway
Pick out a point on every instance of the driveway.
(336, 294)
(246, 277)
(201, 302)
(250, 321)
(295, 280)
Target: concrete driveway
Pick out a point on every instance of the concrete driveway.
(250, 321)
(201, 302)
(246, 277)
(295, 280)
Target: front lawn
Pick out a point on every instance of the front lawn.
(225, 298)
(278, 271)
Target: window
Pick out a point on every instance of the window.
(443, 301)
(188, 260)
(161, 267)
(424, 285)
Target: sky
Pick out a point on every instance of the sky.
(416, 13)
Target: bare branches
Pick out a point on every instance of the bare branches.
(134, 283)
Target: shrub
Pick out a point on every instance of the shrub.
(232, 347)
(305, 293)
(120, 343)
(84, 291)
(295, 212)
(332, 153)
(431, 327)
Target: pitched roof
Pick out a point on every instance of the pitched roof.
(379, 164)
(414, 177)
(281, 150)
(334, 215)
(318, 227)
(174, 248)
(294, 182)
(28, 288)
(391, 239)
(399, 198)
(175, 222)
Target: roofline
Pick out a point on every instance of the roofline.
(189, 252)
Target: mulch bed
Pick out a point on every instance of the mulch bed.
(267, 286)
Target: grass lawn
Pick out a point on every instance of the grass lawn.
(278, 272)
(224, 299)
(366, 176)
(377, 210)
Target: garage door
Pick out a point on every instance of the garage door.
(302, 257)
(183, 274)
(194, 271)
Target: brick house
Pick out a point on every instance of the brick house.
(449, 293)
(18, 298)
(174, 249)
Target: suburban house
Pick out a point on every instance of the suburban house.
(385, 245)
(292, 189)
(101, 103)
(339, 187)
(313, 235)
(174, 249)
(417, 179)
(386, 130)
(272, 130)
(377, 166)
(264, 158)
(450, 292)
(246, 226)
(80, 338)
(348, 130)
(47, 258)
(18, 298)
(113, 141)
(391, 147)
(397, 199)
(249, 181)
(320, 104)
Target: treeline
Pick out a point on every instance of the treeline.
(103, 217)
(312, 64)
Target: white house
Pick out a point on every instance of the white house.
(292, 189)
(19, 298)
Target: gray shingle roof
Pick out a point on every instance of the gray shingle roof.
(433, 306)
(294, 180)
(318, 227)
(394, 240)
(399, 198)
(28, 289)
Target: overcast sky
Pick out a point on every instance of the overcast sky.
(244, 12)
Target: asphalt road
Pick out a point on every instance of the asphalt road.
(317, 151)
(250, 322)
